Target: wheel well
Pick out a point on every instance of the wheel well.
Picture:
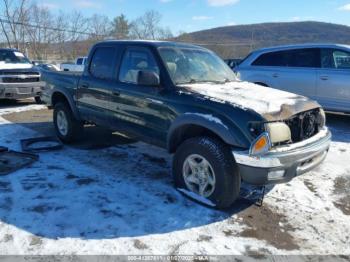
(186, 132)
(261, 84)
(59, 97)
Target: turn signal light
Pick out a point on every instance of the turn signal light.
(261, 145)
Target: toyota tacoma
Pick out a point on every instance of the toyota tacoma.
(186, 99)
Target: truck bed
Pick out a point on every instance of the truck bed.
(59, 80)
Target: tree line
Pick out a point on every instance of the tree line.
(46, 35)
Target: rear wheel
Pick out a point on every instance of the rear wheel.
(205, 166)
(68, 128)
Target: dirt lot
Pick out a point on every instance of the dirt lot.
(112, 195)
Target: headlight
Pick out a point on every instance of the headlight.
(278, 132)
(261, 145)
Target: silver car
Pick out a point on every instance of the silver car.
(318, 71)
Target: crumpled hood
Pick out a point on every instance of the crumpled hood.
(14, 66)
(270, 103)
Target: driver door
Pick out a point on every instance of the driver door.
(139, 109)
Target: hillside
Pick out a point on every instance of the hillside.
(237, 41)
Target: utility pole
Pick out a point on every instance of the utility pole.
(252, 41)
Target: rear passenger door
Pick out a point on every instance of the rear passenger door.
(333, 80)
(95, 86)
(292, 70)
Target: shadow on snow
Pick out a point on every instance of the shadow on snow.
(100, 189)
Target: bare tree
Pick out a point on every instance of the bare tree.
(165, 33)
(77, 29)
(26, 25)
(16, 14)
(99, 27)
(60, 35)
(39, 33)
(148, 27)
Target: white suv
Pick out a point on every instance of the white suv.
(319, 71)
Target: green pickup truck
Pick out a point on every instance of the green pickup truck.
(186, 99)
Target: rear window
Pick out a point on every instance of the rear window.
(306, 57)
(102, 63)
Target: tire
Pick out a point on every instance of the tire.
(74, 128)
(221, 161)
(38, 100)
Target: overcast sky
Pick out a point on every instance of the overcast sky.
(193, 15)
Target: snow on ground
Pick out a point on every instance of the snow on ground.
(120, 200)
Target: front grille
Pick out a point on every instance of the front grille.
(20, 80)
(305, 125)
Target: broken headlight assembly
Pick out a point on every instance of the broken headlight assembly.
(274, 133)
(279, 132)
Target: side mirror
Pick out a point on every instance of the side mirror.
(148, 78)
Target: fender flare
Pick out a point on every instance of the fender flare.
(231, 136)
(69, 98)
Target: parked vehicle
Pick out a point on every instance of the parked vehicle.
(233, 63)
(186, 99)
(319, 71)
(50, 67)
(78, 66)
(18, 77)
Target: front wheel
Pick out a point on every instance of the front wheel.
(68, 128)
(205, 167)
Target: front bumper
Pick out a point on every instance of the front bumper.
(20, 90)
(282, 164)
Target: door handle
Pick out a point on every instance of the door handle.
(84, 86)
(275, 75)
(116, 93)
(325, 78)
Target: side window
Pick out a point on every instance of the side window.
(135, 60)
(335, 59)
(341, 59)
(307, 57)
(79, 61)
(272, 59)
(102, 63)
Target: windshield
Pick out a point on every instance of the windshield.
(194, 65)
(13, 57)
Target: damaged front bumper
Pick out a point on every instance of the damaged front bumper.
(284, 163)
(20, 90)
